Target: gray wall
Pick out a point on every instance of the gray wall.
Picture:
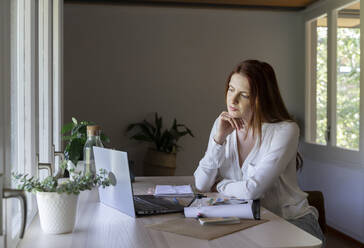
(123, 63)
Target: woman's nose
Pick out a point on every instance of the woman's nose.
(235, 99)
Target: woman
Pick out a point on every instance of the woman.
(252, 150)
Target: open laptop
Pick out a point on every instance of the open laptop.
(120, 195)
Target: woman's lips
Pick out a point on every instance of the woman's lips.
(233, 109)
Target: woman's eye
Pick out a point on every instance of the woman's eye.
(230, 89)
(244, 95)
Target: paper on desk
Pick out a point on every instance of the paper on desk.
(173, 190)
(243, 211)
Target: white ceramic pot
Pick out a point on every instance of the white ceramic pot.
(57, 212)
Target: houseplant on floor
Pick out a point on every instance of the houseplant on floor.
(160, 159)
(57, 202)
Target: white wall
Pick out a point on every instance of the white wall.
(123, 63)
(343, 189)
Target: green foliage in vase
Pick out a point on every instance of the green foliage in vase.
(75, 133)
(164, 140)
(50, 184)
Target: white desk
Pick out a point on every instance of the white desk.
(100, 226)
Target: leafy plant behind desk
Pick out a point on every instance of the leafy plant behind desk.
(76, 135)
(164, 141)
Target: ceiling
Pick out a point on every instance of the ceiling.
(266, 4)
(244, 3)
(348, 17)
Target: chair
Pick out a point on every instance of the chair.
(316, 199)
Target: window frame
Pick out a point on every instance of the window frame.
(23, 106)
(45, 80)
(57, 74)
(19, 97)
(329, 152)
(50, 25)
(4, 106)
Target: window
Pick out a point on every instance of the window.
(24, 55)
(348, 77)
(333, 80)
(22, 100)
(321, 80)
(4, 104)
(318, 80)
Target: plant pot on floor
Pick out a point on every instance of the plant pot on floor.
(57, 212)
(158, 163)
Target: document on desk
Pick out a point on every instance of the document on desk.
(173, 191)
(246, 210)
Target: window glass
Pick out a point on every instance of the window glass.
(348, 77)
(321, 80)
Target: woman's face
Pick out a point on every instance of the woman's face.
(237, 99)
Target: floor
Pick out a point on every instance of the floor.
(335, 239)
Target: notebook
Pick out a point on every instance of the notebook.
(173, 191)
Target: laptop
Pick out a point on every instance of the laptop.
(120, 194)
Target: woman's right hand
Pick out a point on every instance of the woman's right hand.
(226, 125)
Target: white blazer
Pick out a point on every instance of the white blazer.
(268, 173)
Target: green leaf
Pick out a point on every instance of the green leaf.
(187, 129)
(74, 120)
(80, 130)
(67, 128)
(167, 141)
(104, 138)
(134, 125)
(75, 150)
(144, 129)
(174, 126)
(63, 165)
(158, 124)
(130, 127)
(141, 137)
(189, 132)
(150, 126)
(180, 134)
(67, 138)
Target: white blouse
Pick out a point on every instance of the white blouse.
(268, 173)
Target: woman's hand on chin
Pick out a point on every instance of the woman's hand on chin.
(226, 125)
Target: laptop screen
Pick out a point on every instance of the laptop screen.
(119, 196)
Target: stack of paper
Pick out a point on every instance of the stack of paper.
(246, 209)
(243, 211)
(173, 191)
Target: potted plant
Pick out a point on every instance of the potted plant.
(160, 159)
(76, 135)
(57, 202)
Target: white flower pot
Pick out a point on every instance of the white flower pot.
(57, 212)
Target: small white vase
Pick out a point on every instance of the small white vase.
(57, 212)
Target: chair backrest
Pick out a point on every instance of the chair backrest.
(316, 199)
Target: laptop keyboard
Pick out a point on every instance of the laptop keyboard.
(146, 205)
